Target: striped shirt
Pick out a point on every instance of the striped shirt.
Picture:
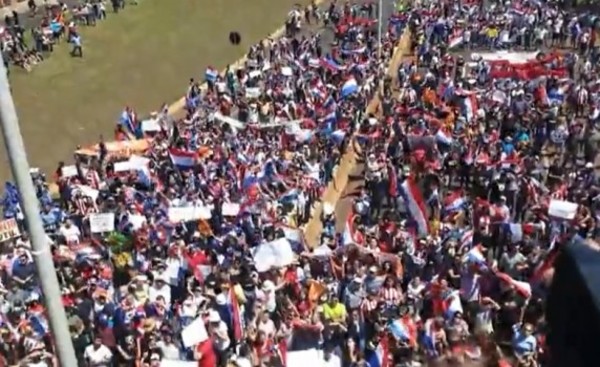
(92, 179)
(389, 295)
(85, 206)
(368, 305)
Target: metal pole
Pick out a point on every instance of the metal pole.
(41, 249)
(379, 27)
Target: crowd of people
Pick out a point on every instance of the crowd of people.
(162, 230)
(182, 240)
(26, 39)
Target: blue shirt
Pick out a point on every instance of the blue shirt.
(508, 148)
(23, 271)
(523, 344)
(49, 221)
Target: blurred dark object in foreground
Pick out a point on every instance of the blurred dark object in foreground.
(573, 306)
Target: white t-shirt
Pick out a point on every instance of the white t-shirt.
(484, 320)
(164, 291)
(222, 344)
(469, 287)
(98, 357)
(414, 290)
(269, 299)
(71, 234)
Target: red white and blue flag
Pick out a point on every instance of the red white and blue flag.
(522, 288)
(350, 235)
(183, 158)
(379, 357)
(415, 205)
(236, 317)
(455, 201)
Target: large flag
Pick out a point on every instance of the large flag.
(379, 356)
(452, 305)
(350, 235)
(475, 256)
(522, 288)
(399, 330)
(454, 201)
(235, 315)
(429, 339)
(183, 158)
(415, 205)
(349, 87)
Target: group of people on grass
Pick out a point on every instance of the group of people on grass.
(26, 39)
(183, 241)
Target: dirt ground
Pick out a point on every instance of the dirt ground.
(142, 57)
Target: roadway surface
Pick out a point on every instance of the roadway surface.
(356, 180)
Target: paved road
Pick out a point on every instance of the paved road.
(356, 175)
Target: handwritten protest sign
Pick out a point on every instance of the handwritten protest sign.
(562, 209)
(88, 191)
(117, 149)
(69, 171)
(9, 229)
(230, 209)
(253, 92)
(150, 125)
(102, 222)
(123, 166)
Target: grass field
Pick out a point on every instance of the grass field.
(142, 57)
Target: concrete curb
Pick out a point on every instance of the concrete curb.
(313, 229)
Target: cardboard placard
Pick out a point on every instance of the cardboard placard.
(9, 229)
(102, 222)
(231, 209)
(194, 333)
(562, 209)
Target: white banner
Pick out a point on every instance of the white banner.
(188, 214)
(274, 254)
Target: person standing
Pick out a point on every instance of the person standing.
(77, 50)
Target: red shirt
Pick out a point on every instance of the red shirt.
(263, 349)
(209, 358)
